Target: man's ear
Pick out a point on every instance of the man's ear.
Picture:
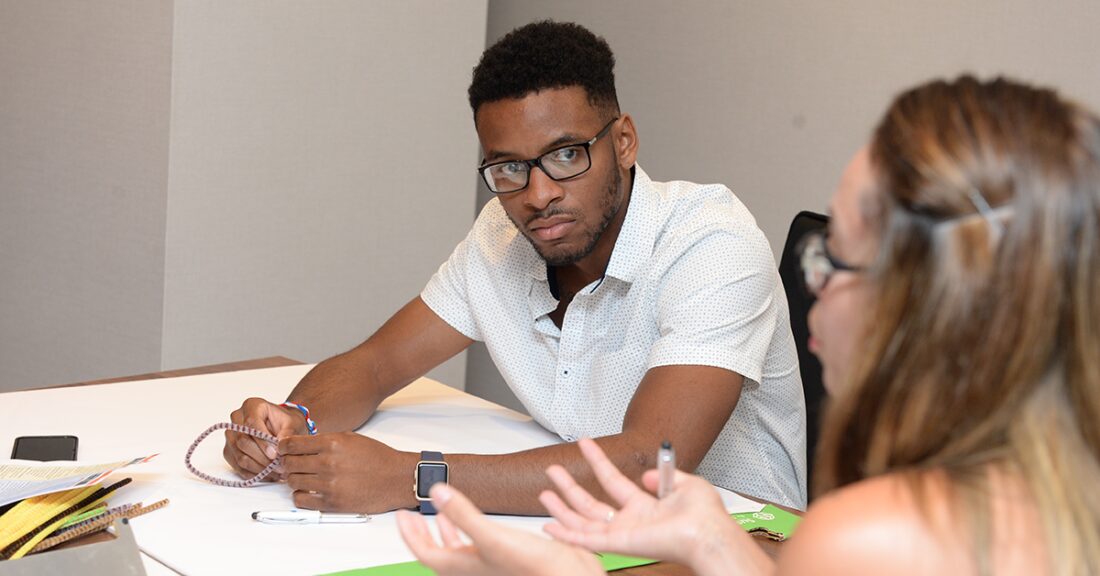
(626, 142)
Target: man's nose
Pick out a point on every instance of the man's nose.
(542, 190)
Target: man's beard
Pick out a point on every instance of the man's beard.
(610, 204)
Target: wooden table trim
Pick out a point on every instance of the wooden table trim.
(268, 362)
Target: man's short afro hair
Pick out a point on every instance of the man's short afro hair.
(546, 55)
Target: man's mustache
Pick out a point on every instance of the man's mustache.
(549, 212)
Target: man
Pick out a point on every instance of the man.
(614, 306)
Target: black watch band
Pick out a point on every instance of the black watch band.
(430, 458)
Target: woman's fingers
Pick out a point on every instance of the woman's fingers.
(448, 532)
(578, 498)
(619, 487)
(562, 512)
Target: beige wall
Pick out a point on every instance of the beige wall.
(772, 98)
(321, 170)
(83, 171)
(192, 182)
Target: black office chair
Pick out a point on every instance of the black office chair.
(799, 302)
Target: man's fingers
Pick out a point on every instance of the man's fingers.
(243, 464)
(301, 445)
(256, 449)
(246, 454)
(239, 459)
(301, 463)
(248, 465)
(308, 483)
(280, 422)
(309, 500)
(253, 414)
(259, 423)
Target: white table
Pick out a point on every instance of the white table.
(207, 529)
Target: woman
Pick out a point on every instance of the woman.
(958, 324)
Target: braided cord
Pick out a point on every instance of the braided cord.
(231, 483)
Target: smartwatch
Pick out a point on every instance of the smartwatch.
(430, 470)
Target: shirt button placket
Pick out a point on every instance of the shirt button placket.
(570, 350)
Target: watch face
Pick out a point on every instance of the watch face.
(428, 474)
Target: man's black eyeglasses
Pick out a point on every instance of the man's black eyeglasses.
(559, 164)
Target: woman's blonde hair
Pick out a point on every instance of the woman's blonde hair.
(983, 351)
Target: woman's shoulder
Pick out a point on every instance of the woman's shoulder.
(911, 523)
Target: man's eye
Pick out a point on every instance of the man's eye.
(565, 155)
(512, 168)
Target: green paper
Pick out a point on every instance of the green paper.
(609, 561)
(616, 562)
(399, 569)
(770, 518)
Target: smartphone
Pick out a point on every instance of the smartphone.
(44, 448)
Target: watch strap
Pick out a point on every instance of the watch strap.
(426, 506)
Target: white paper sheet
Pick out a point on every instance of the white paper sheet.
(21, 479)
(207, 529)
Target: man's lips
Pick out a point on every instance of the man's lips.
(553, 228)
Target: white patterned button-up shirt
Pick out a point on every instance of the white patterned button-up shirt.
(691, 281)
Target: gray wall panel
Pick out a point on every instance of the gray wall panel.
(196, 182)
(83, 177)
(321, 161)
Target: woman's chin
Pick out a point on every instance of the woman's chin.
(830, 380)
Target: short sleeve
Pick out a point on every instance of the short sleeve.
(716, 304)
(447, 292)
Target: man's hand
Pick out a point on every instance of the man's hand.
(347, 472)
(249, 455)
(495, 549)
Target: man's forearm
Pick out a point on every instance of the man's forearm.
(345, 390)
(511, 483)
(339, 393)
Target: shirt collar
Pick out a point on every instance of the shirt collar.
(634, 245)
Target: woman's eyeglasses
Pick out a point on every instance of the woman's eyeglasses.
(818, 265)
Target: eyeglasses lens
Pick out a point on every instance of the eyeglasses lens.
(816, 268)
